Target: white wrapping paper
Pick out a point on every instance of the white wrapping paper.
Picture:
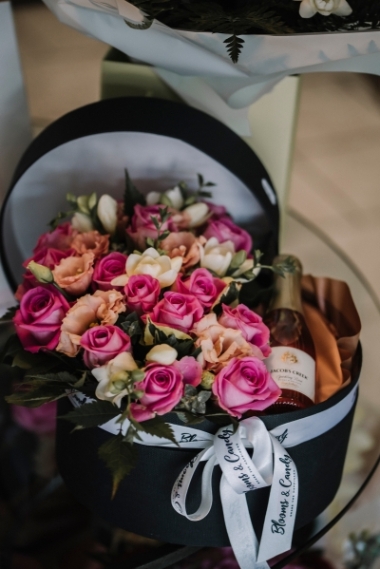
(197, 66)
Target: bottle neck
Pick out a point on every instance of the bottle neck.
(287, 292)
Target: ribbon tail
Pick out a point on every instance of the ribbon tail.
(239, 527)
(282, 506)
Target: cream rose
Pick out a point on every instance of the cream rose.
(115, 378)
(216, 256)
(309, 8)
(160, 267)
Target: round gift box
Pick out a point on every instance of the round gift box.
(160, 143)
(143, 501)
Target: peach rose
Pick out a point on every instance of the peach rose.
(91, 242)
(183, 244)
(102, 307)
(74, 274)
(219, 345)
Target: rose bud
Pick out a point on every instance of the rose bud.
(197, 214)
(40, 272)
(82, 222)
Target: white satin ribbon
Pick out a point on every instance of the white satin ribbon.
(271, 464)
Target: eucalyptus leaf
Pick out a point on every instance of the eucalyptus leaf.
(120, 458)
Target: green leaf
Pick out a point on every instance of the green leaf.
(120, 458)
(145, 25)
(37, 394)
(59, 377)
(92, 414)
(165, 200)
(156, 427)
(189, 418)
(9, 314)
(11, 348)
(150, 242)
(132, 196)
(234, 46)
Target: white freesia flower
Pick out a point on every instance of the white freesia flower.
(160, 267)
(162, 354)
(309, 8)
(217, 256)
(152, 198)
(175, 196)
(107, 213)
(197, 213)
(113, 378)
(82, 222)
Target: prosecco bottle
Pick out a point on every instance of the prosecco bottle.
(292, 360)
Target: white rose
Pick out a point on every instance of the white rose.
(309, 8)
(197, 214)
(107, 213)
(162, 354)
(217, 256)
(160, 267)
(82, 222)
(114, 378)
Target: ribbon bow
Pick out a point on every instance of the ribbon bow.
(270, 465)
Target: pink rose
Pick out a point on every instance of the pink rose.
(245, 385)
(38, 321)
(108, 268)
(249, 323)
(163, 388)
(217, 211)
(224, 229)
(103, 343)
(143, 227)
(142, 293)
(180, 311)
(60, 238)
(202, 285)
(38, 420)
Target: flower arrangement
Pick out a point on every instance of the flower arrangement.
(273, 17)
(135, 305)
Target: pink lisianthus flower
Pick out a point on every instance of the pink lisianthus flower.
(249, 323)
(103, 343)
(60, 238)
(142, 226)
(108, 268)
(202, 285)
(176, 310)
(39, 318)
(224, 229)
(39, 420)
(142, 293)
(245, 385)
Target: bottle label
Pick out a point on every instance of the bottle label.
(292, 369)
